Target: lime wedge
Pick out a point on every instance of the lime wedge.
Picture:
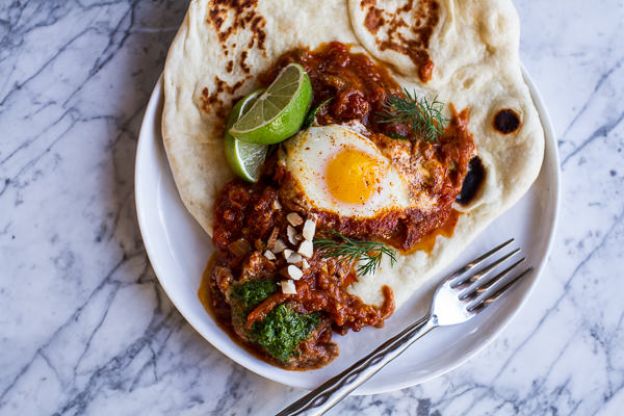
(245, 159)
(279, 112)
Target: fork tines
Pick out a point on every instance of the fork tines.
(482, 287)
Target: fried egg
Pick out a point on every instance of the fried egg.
(339, 170)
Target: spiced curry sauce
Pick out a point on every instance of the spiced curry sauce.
(248, 215)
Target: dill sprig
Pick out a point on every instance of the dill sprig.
(424, 116)
(367, 254)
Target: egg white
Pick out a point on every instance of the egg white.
(307, 155)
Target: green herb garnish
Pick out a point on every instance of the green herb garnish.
(249, 294)
(424, 116)
(367, 253)
(280, 333)
(311, 117)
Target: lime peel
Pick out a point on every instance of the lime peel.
(245, 159)
(279, 112)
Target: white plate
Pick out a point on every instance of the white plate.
(178, 250)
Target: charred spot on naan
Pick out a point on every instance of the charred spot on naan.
(473, 182)
(216, 101)
(507, 121)
(230, 17)
(241, 31)
(394, 31)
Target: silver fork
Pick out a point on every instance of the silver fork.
(458, 298)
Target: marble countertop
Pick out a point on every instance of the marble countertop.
(85, 327)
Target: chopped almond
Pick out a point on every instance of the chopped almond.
(287, 253)
(294, 258)
(288, 287)
(292, 235)
(270, 255)
(309, 229)
(306, 248)
(279, 246)
(294, 219)
(294, 272)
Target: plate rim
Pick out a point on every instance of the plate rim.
(154, 105)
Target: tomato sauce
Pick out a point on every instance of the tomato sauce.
(248, 216)
(356, 86)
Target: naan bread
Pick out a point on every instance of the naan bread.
(465, 52)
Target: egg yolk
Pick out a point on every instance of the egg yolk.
(352, 176)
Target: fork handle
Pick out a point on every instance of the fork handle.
(326, 396)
